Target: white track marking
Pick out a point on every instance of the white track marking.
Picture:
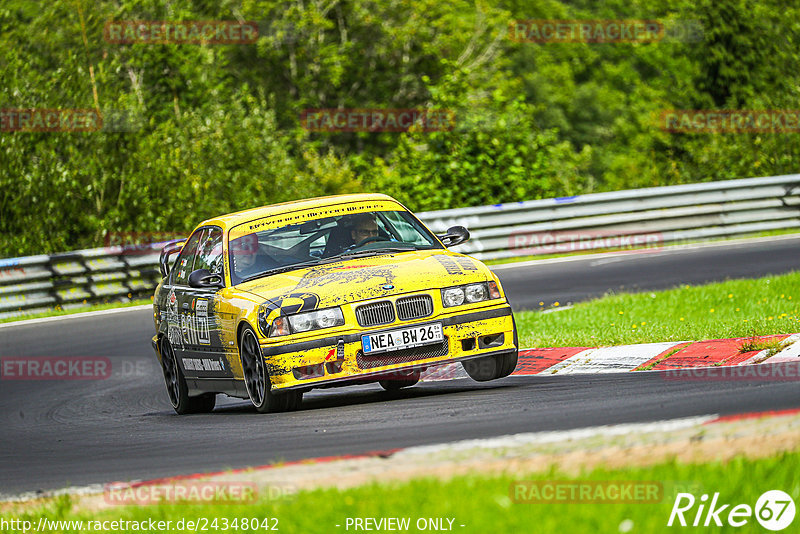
(790, 354)
(754, 359)
(82, 315)
(610, 359)
(534, 438)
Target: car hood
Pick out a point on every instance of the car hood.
(359, 279)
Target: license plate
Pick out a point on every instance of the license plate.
(402, 338)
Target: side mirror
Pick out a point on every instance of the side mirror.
(170, 248)
(202, 278)
(455, 235)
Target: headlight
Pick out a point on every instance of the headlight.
(452, 296)
(329, 318)
(455, 296)
(314, 320)
(300, 322)
(476, 292)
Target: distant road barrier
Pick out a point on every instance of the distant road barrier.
(33, 284)
(632, 218)
(636, 218)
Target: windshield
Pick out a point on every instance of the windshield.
(325, 239)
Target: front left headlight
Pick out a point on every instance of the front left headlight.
(469, 293)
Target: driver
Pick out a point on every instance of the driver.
(351, 230)
(362, 227)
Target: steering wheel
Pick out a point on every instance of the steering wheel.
(369, 239)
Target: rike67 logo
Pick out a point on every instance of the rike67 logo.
(774, 510)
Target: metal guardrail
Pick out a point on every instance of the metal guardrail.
(626, 219)
(34, 284)
(621, 219)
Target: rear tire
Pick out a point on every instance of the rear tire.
(177, 391)
(399, 381)
(256, 379)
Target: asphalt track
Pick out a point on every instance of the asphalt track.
(64, 433)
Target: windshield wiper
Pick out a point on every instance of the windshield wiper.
(374, 251)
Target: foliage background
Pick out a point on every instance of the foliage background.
(217, 127)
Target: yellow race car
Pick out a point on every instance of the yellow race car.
(271, 302)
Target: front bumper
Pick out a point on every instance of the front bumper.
(334, 359)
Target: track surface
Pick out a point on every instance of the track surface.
(58, 433)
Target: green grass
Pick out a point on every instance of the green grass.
(649, 366)
(94, 307)
(483, 503)
(772, 346)
(736, 308)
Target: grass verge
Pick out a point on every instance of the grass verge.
(474, 503)
(735, 308)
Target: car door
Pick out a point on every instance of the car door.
(175, 301)
(203, 355)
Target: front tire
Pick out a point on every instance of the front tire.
(494, 367)
(399, 381)
(177, 391)
(256, 379)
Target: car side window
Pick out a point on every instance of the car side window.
(185, 262)
(404, 229)
(209, 255)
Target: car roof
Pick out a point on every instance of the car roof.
(232, 219)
